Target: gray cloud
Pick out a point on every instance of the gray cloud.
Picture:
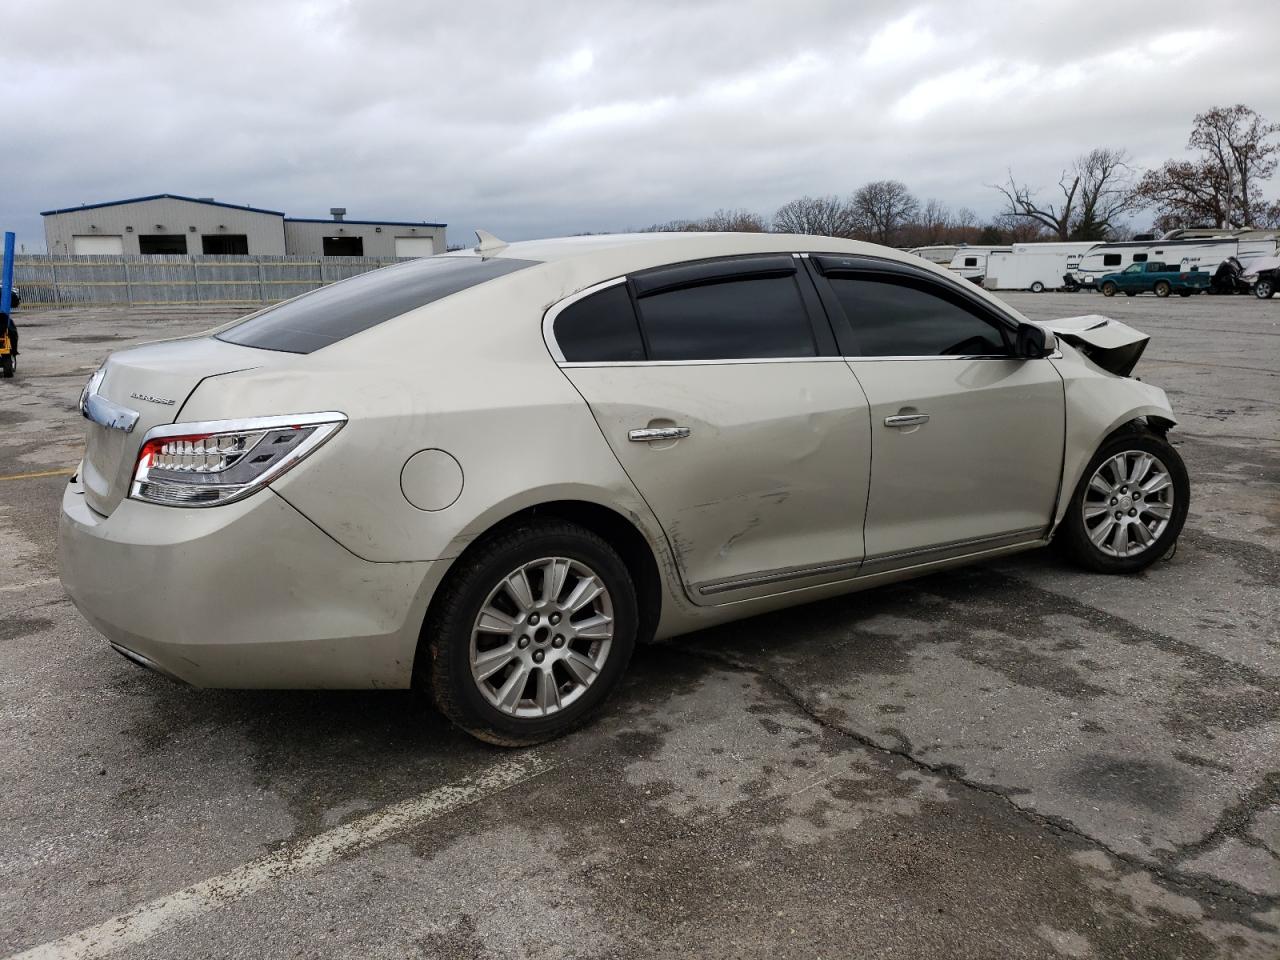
(534, 120)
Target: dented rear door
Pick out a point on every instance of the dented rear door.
(756, 465)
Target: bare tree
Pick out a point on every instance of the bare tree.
(1106, 193)
(1186, 194)
(1237, 139)
(1096, 192)
(818, 216)
(722, 221)
(1021, 201)
(935, 220)
(882, 208)
(1224, 185)
(1014, 229)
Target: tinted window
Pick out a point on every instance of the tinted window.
(334, 313)
(970, 261)
(1111, 259)
(600, 328)
(1138, 258)
(897, 317)
(736, 320)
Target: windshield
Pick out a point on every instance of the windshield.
(335, 312)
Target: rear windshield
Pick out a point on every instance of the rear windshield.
(334, 313)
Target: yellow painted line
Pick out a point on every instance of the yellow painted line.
(63, 472)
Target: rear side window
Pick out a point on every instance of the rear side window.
(741, 319)
(1111, 259)
(900, 317)
(600, 328)
(1138, 258)
(970, 261)
(333, 313)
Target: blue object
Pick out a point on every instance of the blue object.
(6, 279)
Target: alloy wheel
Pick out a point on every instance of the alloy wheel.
(1128, 503)
(542, 637)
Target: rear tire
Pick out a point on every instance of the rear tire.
(506, 609)
(1184, 293)
(7, 366)
(1264, 290)
(1162, 288)
(1108, 289)
(1110, 530)
(1131, 293)
(1037, 287)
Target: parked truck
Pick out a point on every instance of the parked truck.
(1155, 277)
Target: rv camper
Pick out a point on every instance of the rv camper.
(1034, 266)
(971, 262)
(940, 254)
(1198, 254)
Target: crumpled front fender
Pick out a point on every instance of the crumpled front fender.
(1097, 404)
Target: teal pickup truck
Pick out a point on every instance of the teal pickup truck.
(1161, 279)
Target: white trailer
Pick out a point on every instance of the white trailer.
(1197, 254)
(971, 262)
(1034, 266)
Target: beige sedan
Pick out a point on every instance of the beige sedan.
(490, 474)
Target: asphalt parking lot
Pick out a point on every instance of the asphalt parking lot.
(1014, 760)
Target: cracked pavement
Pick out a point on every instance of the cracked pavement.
(1014, 759)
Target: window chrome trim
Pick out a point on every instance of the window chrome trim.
(948, 356)
(549, 320)
(571, 364)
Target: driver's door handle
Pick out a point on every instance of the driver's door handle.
(912, 420)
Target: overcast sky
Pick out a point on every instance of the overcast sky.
(538, 119)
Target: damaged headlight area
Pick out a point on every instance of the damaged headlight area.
(221, 461)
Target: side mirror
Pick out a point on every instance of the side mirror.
(1034, 342)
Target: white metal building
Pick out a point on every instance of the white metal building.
(169, 223)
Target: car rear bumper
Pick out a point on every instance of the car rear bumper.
(250, 594)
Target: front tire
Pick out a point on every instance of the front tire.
(1163, 289)
(1108, 289)
(1037, 287)
(531, 633)
(1130, 504)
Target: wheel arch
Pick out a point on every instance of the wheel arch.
(624, 534)
(1145, 416)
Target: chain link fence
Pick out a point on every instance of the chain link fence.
(178, 279)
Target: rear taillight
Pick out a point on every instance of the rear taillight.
(219, 461)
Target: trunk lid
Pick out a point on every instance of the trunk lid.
(1112, 345)
(153, 381)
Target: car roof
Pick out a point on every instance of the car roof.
(594, 258)
(676, 247)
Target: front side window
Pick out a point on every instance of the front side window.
(1111, 259)
(600, 328)
(1135, 268)
(746, 318)
(903, 317)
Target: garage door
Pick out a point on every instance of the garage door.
(97, 244)
(415, 246)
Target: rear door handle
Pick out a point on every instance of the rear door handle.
(649, 434)
(913, 420)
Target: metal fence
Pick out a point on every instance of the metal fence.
(177, 279)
